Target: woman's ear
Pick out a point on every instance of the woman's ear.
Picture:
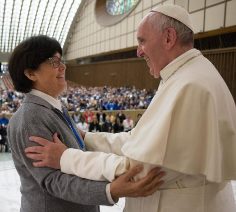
(30, 74)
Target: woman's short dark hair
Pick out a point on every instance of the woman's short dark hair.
(29, 54)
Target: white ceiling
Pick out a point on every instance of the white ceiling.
(20, 19)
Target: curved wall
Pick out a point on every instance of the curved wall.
(89, 38)
(130, 72)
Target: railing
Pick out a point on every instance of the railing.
(225, 62)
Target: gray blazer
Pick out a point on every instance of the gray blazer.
(46, 189)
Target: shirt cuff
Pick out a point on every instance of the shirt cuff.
(108, 192)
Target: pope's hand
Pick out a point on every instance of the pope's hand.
(48, 154)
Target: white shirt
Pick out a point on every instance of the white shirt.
(51, 100)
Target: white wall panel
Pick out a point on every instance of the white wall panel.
(97, 37)
(130, 39)
(156, 2)
(107, 46)
(211, 2)
(107, 33)
(139, 7)
(130, 27)
(123, 42)
(117, 43)
(103, 35)
(196, 5)
(117, 30)
(123, 26)
(231, 13)
(182, 3)
(112, 44)
(146, 4)
(198, 20)
(112, 31)
(102, 49)
(135, 39)
(169, 2)
(138, 18)
(214, 17)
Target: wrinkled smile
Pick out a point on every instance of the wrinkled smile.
(61, 77)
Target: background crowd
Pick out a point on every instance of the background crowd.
(92, 98)
(106, 98)
(89, 108)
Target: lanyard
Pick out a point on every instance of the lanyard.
(70, 124)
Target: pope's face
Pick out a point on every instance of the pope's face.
(151, 47)
(50, 76)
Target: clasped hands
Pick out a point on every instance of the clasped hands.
(48, 154)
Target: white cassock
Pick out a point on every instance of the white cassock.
(189, 130)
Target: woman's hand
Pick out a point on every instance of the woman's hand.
(125, 186)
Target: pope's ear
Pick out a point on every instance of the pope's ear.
(30, 74)
(171, 37)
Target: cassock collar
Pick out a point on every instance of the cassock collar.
(178, 62)
(52, 101)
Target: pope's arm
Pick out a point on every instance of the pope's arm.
(103, 166)
(97, 166)
(106, 142)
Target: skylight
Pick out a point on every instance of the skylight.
(23, 18)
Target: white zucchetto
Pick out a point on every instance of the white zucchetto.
(176, 12)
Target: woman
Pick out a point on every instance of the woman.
(37, 69)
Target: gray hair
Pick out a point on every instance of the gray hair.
(161, 22)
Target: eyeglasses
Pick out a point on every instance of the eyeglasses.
(56, 61)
